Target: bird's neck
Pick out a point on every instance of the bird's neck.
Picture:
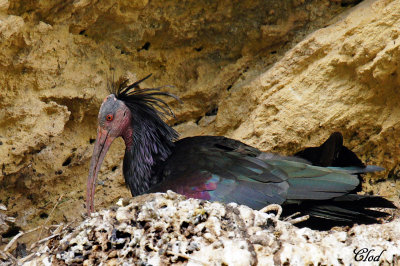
(147, 145)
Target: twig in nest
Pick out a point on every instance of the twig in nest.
(47, 238)
(56, 232)
(13, 241)
(30, 256)
(43, 240)
(8, 255)
(273, 207)
(32, 230)
(18, 236)
(48, 218)
(290, 217)
(299, 220)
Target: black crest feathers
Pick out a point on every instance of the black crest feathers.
(145, 98)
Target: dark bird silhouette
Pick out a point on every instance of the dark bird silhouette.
(321, 181)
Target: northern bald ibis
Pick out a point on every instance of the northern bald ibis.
(321, 181)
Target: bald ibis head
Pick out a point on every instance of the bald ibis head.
(129, 112)
(114, 119)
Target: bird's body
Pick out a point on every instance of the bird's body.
(321, 182)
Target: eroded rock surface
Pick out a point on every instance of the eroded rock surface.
(4, 221)
(55, 60)
(160, 229)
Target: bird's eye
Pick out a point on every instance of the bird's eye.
(109, 117)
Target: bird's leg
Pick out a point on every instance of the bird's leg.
(273, 207)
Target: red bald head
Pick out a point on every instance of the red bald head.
(114, 121)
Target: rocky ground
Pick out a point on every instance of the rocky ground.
(279, 75)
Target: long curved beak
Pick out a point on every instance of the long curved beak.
(103, 143)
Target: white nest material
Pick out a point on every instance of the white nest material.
(160, 229)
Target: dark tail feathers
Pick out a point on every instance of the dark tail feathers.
(345, 210)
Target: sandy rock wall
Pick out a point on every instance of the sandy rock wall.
(344, 77)
(56, 58)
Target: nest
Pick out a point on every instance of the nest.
(160, 229)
